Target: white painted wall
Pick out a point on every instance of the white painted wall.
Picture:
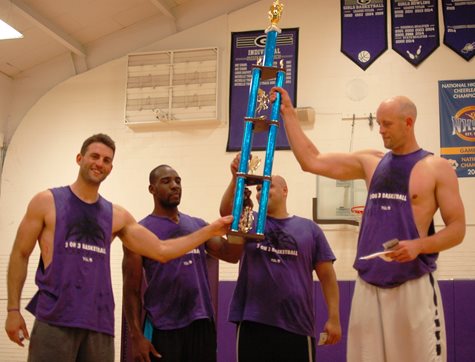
(5, 100)
(43, 148)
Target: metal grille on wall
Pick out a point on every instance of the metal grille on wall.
(170, 86)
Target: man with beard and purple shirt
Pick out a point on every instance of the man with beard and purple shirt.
(273, 304)
(177, 299)
(74, 227)
(396, 312)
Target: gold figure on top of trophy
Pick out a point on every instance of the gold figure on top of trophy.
(254, 164)
(275, 12)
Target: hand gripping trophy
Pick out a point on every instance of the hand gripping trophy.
(243, 227)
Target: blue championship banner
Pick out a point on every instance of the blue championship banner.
(363, 30)
(459, 20)
(457, 124)
(414, 29)
(247, 49)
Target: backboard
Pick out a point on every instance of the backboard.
(335, 199)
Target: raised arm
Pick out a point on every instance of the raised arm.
(29, 231)
(329, 285)
(142, 241)
(340, 166)
(132, 299)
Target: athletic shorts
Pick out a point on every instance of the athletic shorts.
(193, 343)
(258, 342)
(53, 343)
(405, 323)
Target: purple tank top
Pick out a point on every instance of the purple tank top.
(75, 289)
(388, 215)
(178, 291)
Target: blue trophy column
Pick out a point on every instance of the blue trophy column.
(245, 148)
(261, 71)
(273, 128)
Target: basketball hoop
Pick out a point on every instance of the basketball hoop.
(357, 212)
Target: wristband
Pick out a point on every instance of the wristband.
(13, 310)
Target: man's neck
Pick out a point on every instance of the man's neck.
(170, 213)
(88, 193)
(406, 148)
(278, 214)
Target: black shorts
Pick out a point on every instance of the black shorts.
(193, 343)
(258, 342)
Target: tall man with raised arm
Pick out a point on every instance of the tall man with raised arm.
(396, 312)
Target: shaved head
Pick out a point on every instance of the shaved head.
(279, 180)
(155, 173)
(277, 197)
(396, 117)
(402, 106)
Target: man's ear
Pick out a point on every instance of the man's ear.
(410, 122)
(151, 189)
(78, 158)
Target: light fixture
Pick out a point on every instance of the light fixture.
(8, 32)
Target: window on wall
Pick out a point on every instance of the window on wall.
(170, 86)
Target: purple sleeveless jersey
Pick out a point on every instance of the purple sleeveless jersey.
(388, 215)
(178, 291)
(75, 289)
(275, 283)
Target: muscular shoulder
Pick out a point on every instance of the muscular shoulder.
(370, 153)
(369, 160)
(42, 202)
(121, 218)
(437, 161)
(40, 213)
(436, 166)
(430, 173)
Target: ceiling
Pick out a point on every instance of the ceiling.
(52, 28)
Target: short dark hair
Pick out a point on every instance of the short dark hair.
(100, 138)
(152, 177)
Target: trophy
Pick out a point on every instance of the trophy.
(247, 215)
(242, 227)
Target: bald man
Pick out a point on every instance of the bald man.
(273, 303)
(396, 312)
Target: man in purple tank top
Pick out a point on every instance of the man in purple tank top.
(396, 312)
(177, 298)
(74, 227)
(273, 303)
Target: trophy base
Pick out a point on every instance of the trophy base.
(237, 237)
